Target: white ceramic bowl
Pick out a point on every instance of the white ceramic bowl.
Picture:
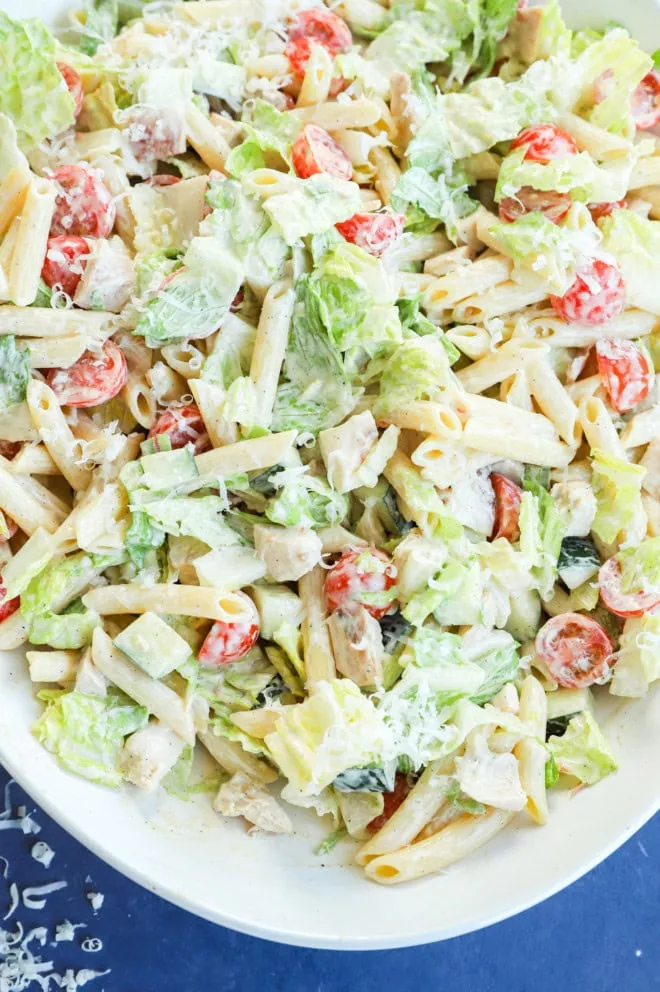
(276, 887)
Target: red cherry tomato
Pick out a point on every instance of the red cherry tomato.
(184, 425)
(597, 295)
(73, 84)
(84, 204)
(7, 606)
(229, 640)
(645, 102)
(372, 232)
(164, 180)
(623, 604)
(298, 52)
(598, 210)
(391, 802)
(625, 373)
(323, 27)
(64, 263)
(527, 200)
(575, 649)
(92, 380)
(544, 142)
(236, 302)
(360, 571)
(507, 507)
(314, 151)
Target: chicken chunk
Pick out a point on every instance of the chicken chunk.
(288, 552)
(241, 796)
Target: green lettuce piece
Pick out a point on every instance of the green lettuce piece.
(578, 175)
(640, 567)
(638, 661)
(334, 729)
(312, 205)
(329, 843)
(463, 802)
(86, 733)
(232, 351)
(370, 77)
(582, 751)
(420, 501)
(422, 197)
(142, 537)
(617, 486)
(418, 370)
(499, 662)
(634, 241)
(413, 320)
(101, 23)
(196, 299)
(32, 91)
(305, 500)
(542, 530)
(626, 64)
(51, 591)
(200, 517)
(244, 159)
(270, 130)
(454, 595)
(11, 157)
(411, 42)
(219, 78)
(14, 372)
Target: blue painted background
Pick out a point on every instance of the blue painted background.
(601, 935)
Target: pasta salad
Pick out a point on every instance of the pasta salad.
(329, 414)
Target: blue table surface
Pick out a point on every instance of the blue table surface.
(600, 935)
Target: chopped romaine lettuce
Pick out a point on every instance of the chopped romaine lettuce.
(100, 24)
(542, 530)
(607, 73)
(86, 733)
(638, 661)
(32, 90)
(334, 729)
(311, 206)
(617, 487)
(582, 751)
(196, 297)
(634, 241)
(200, 517)
(418, 370)
(305, 500)
(421, 197)
(640, 567)
(14, 372)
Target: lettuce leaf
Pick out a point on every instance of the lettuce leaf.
(542, 530)
(425, 200)
(635, 243)
(640, 567)
(619, 62)
(200, 517)
(312, 205)
(86, 733)
(638, 662)
(101, 23)
(578, 175)
(582, 751)
(617, 486)
(305, 500)
(14, 372)
(417, 370)
(32, 91)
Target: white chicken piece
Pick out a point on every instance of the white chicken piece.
(357, 644)
(492, 779)
(417, 559)
(155, 133)
(651, 462)
(354, 454)
(471, 501)
(149, 754)
(108, 281)
(288, 552)
(576, 503)
(241, 796)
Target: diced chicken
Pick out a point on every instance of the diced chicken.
(506, 699)
(651, 462)
(149, 754)
(353, 453)
(526, 29)
(155, 133)
(241, 796)
(492, 779)
(53, 666)
(357, 645)
(576, 503)
(288, 552)
(108, 281)
(89, 679)
(417, 560)
(471, 501)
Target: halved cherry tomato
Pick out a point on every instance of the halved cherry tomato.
(360, 571)
(528, 200)
(298, 53)
(229, 640)
(625, 373)
(598, 210)
(7, 606)
(314, 151)
(84, 204)
(73, 84)
(64, 263)
(575, 649)
(184, 425)
(92, 380)
(372, 232)
(645, 102)
(623, 604)
(164, 180)
(597, 295)
(507, 507)
(323, 27)
(544, 142)
(391, 802)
